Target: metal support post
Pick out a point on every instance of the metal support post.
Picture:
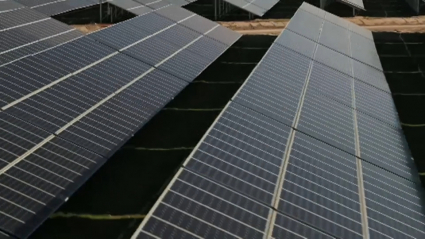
(215, 10)
(100, 11)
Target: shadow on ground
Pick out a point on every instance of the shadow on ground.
(403, 60)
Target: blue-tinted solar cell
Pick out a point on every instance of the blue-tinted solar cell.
(376, 103)
(120, 35)
(328, 121)
(275, 87)
(320, 188)
(286, 227)
(105, 128)
(204, 208)
(185, 65)
(19, 17)
(394, 205)
(244, 151)
(335, 38)
(150, 22)
(46, 177)
(385, 146)
(334, 60)
(178, 35)
(306, 24)
(152, 51)
(47, 111)
(297, 43)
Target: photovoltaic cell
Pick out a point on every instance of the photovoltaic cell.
(208, 48)
(385, 146)
(286, 227)
(224, 35)
(335, 37)
(328, 121)
(141, 10)
(298, 24)
(37, 184)
(193, 65)
(56, 8)
(181, 36)
(174, 13)
(18, 17)
(196, 207)
(32, 3)
(296, 43)
(370, 76)
(120, 35)
(198, 24)
(152, 51)
(103, 130)
(394, 205)
(244, 151)
(274, 88)
(9, 5)
(125, 4)
(30, 33)
(254, 9)
(320, 188)
(51, 113)
(366, 101)
(333, 59)
(331, 83)
(151, 22)
(257, 7)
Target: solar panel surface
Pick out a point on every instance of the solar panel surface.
(83, 100)
(256, 7)
(304, 138)
(54, 7)
(27, 32)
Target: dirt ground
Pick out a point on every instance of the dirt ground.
(275, 26)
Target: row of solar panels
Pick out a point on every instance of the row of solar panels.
(139, 6)
(54, 7)
(65, 110)
(310, 147)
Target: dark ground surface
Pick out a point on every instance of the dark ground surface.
(287, 8)
(131, 181)
(403, 59)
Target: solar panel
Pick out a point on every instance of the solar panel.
(312, 138)
(32, 37)
(320, 188)
(18, 17)
(270, 93)
(394, 206)
(6, 5)
(83, 100)
(256, 7)
(58, 7)
(34, 185)
(197, 207)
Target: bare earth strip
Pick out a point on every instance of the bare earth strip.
(275, 26)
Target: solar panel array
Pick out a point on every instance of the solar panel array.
(309, 147)
(66, 110)
(24, 32)
(256, 7)
(140, 7)
(54, 7)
